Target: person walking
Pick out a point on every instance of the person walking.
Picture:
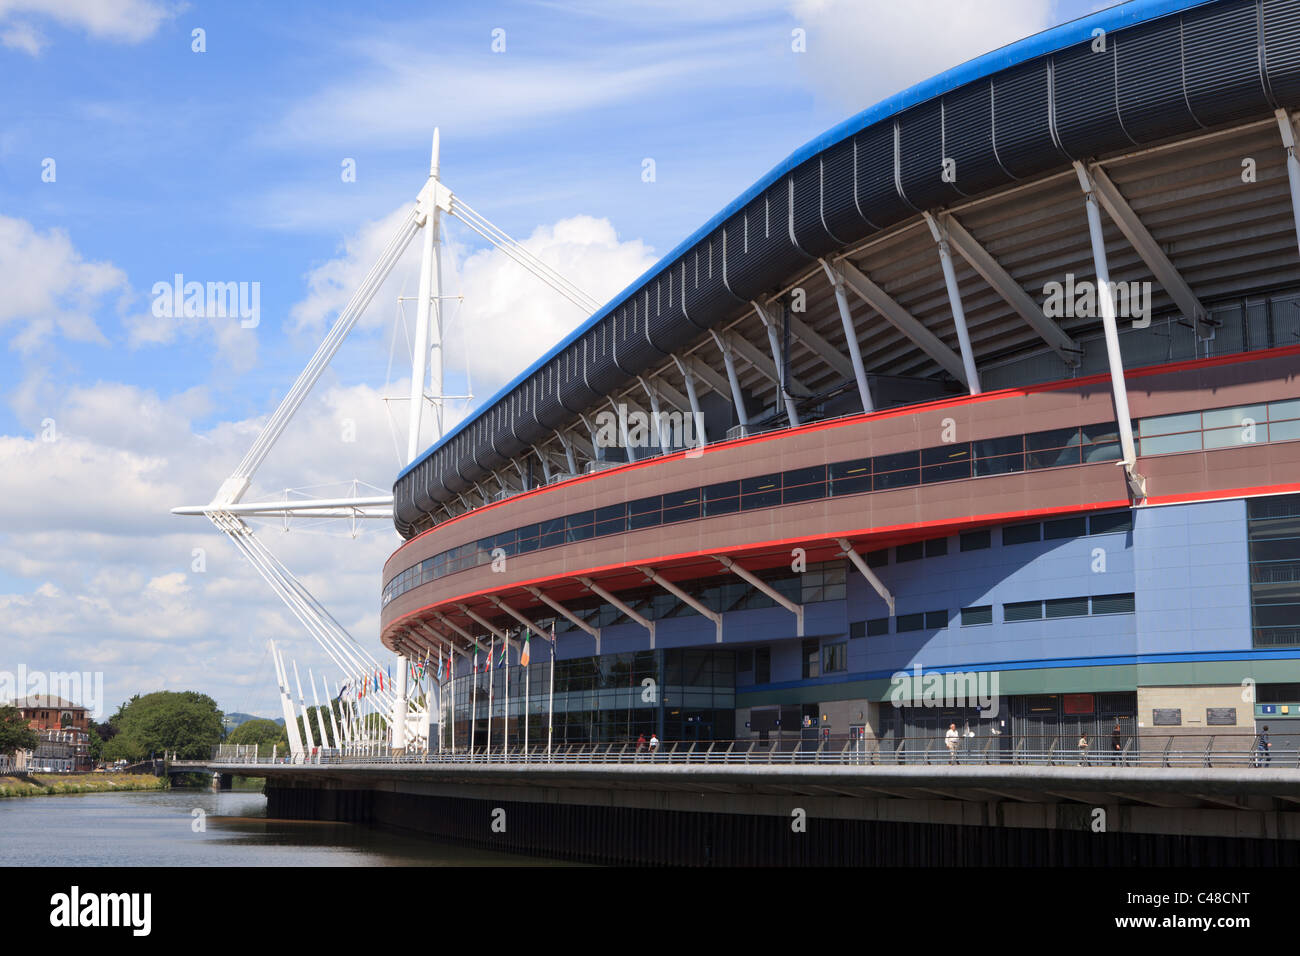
(1083, 750)
(1117, 740)
(952, 739)
(1262, 748)
(654, 744)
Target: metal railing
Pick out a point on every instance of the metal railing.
(1168, 751)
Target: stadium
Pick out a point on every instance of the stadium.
(995, 381)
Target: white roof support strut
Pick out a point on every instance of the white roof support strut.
(757, 582)
(867, 573)
(954, 302)
(1119, 391)
(526, 622)
(737, 397)
(1286, 125)
(791, 411)
(850, 335)
(559, 608)
(600, 592)
(688, 376)
(685, 598)
(487, 626)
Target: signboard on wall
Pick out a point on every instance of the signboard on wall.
(1221, 716)
(1166, 717)
(1080, 704)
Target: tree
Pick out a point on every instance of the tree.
(14, 733)
(265, 733)
(321, 729)
(186, 722)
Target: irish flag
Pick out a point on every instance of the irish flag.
(523, 656)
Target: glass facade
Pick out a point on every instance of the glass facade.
(1273, 529)
(679, 694)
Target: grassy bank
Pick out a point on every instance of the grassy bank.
(46, 784)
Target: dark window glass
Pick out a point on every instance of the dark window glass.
(910, 622)
(1053, 458)
(1001, 465)
(1100, 432)
(857, 629)
(812, 659)
(982, 614)
(1113, 604)
(1021, 533)
(1102, 451)
(936, 547)
(976, 540)
(934, 620)
(1056, 438)
(945, 462)
(762, 665)
(682, 505)
(896, 471)
(722, 498)
(507, 540)
(578, 527)
(611, 520)
(804, 484)
(1023, 611)
(1111, 522)
(1059, 528)
(910, 552)
(993, 447)
(878, 559)
(528, 538)
(836, 658)
(1067, 607)
(644, 513)
(550, 532)
(483, 549)
(761, 492)
(850, 477)
(877, 627)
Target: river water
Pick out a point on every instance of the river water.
(161, 828)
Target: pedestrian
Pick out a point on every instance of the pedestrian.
(1083, 750)
(1117, 740)
(640, 745)
(1262, 748)
(654, 744)
(952, 739)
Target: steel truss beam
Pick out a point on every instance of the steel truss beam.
(757, 582)
(604, 595)
(866, 572)
(559, 608)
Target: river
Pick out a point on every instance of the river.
(161, 828)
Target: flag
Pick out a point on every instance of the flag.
(523, 656)
(505, 647)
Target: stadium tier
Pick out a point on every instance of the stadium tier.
(997, 382)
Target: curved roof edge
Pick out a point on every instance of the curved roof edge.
(1048, 41)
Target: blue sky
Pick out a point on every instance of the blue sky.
(224, 165)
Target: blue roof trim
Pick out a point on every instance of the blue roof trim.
(1049, 41)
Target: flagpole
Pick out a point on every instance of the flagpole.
(550, 710)
(492, 683)
(473, 704)
(505, 739)
(528, 685)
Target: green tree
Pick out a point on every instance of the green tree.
(321, 729)
(14, 732)
(267, 734)
(186, 722)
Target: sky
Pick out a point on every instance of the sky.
(277, 147)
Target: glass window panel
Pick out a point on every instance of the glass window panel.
(1169, 424)
(1053, 458)
(1056, 438)
(976, 540)
(1021, 533)
(972, 616)
(936, 620)
(1239, 435)
(578, 527)
(1170, 444)
(953, 471)
(1022, 611)
(878, 627)
(850, 477)
(1278, 411)
(761, 492)
(910, 552)
(550, 532)
(1003, 465)
(1105, 451)
(722, 498)
(1284, 431)
(910, 622)
(857, 629)
(936, 547)
(1229, 417)
(837, 658)
(811, 492)
(1113, 604)
(878, 559)
(946, 454)
(896, 462)
(1111, 522)
(896, 479)
(989, 447)
(682, 505)
(805, 476)
(1059, 528)
(1100, 432)
(644, 513)
(1067, 607)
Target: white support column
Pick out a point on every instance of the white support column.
(302, 706)
(419, 369)
(954, 301)
(685, 598)
(1119, 392)
(445, 642)
(546, 465)
(487, 626)
(782, 386)
(568, 452)
(688, 376)
(600, 592)
(867, 573)
(850, 335)
(656, 431)
(568, 615)
(522, 619)
(1287, 128)
(286, 703)
(773, 593)
(737, 397)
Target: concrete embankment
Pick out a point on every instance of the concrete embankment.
(50, 784)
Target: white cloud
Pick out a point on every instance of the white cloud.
(861, 51)
(122, 21)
